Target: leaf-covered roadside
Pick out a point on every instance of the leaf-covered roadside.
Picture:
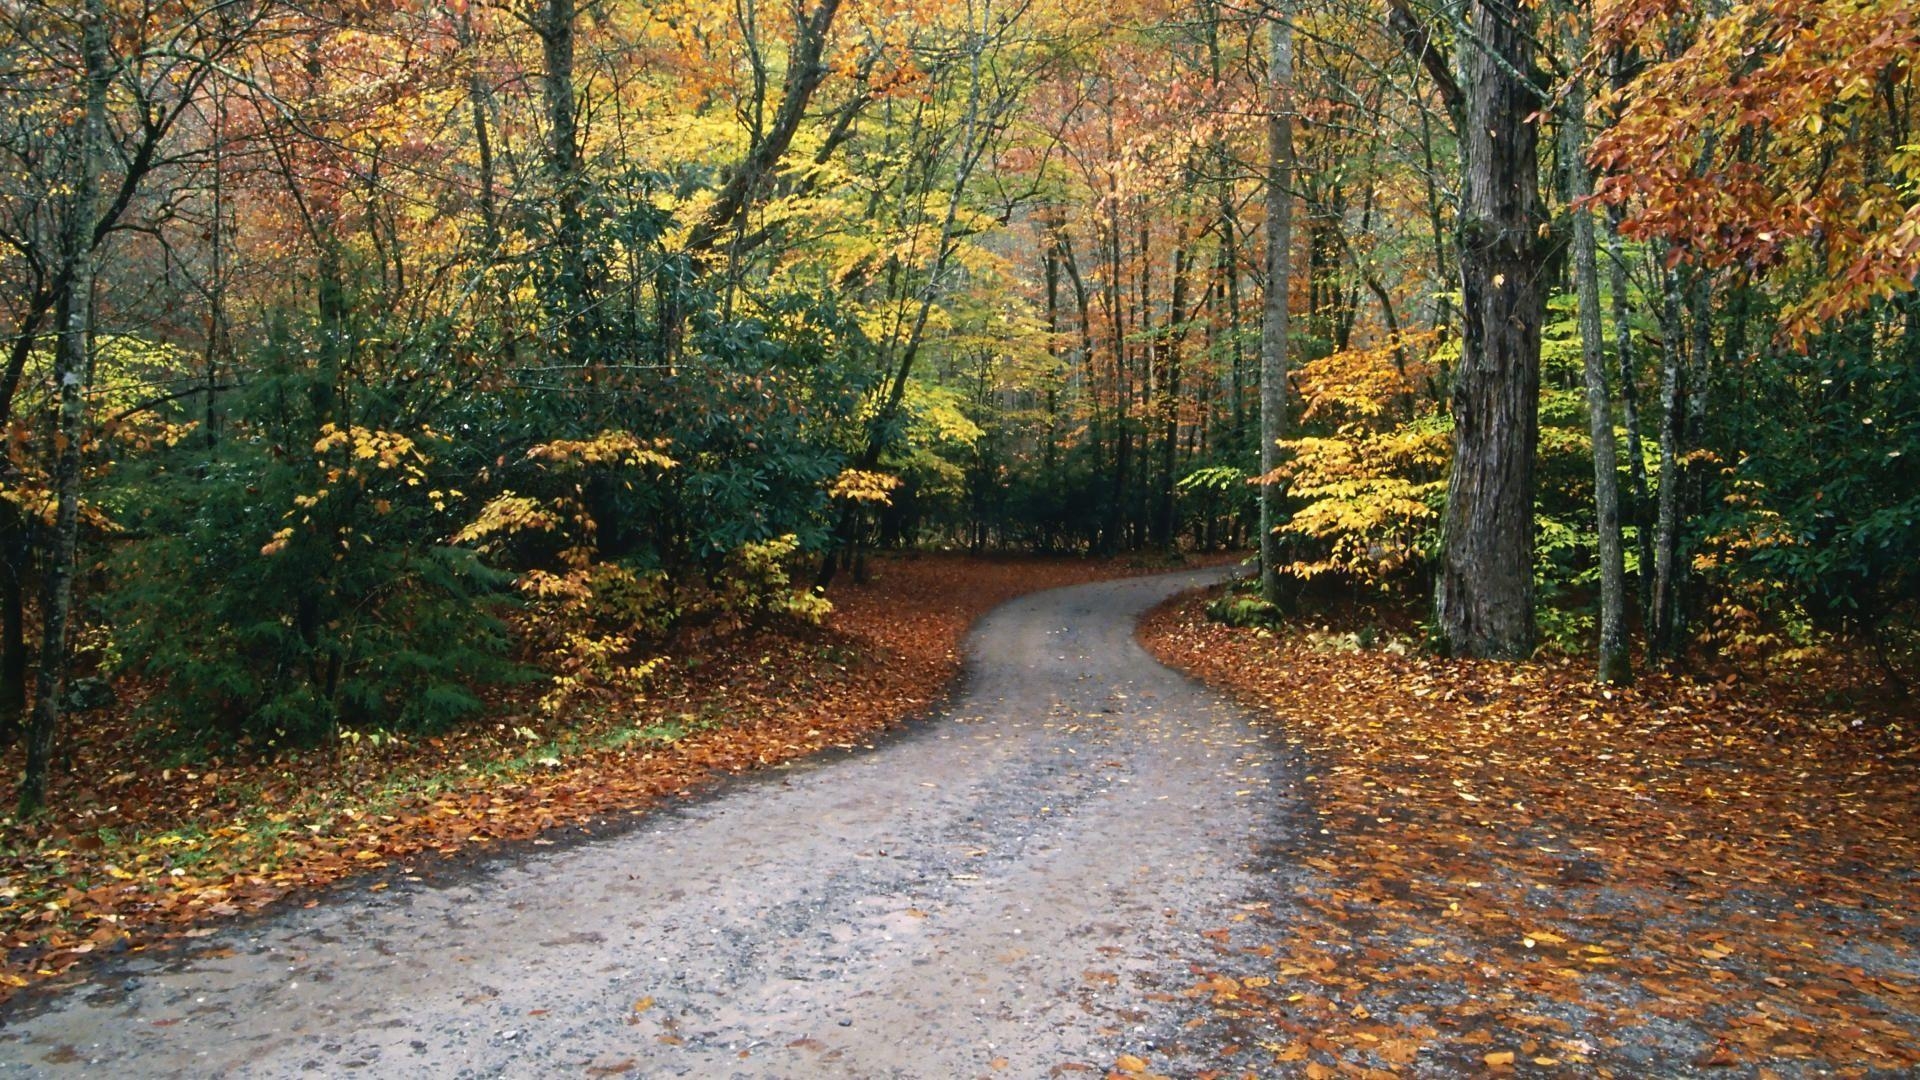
(1507, 867)
(147, 850)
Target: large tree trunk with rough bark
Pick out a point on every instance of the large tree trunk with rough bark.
(1483, 598)
(1273, 328)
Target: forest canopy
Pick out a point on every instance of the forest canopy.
(362, 354)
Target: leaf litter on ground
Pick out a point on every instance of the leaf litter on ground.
(1506, 868)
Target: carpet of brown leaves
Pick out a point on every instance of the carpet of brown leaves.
(139, 851)
(1504, 867)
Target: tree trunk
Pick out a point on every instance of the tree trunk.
(1273, 329)
(1662, 636)
(1615, 665)
(567, 305)
(1483, 598)
(1113, 534)
(806, 68)
(69, 374)
(1630, 408)
(1138, 497)
(492, 237)
(1050, 260)
(330, 276)
(1170, 400)
(13, 623)
(1229, 245)
(1082, 305)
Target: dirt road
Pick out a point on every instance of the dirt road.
(1010, 889)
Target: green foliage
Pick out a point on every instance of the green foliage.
(1818, 517)
(1236, 610)
(1215, 480)
(257, 607)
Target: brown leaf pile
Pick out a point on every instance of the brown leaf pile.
(1506, 868)
(138, 851)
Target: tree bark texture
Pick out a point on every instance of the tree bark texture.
(1614, 663)
(1630, 412)
(1273, 328)
(567, 305)
(1662, 636)
(1483, 598)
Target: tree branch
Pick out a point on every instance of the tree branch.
(1418, 41)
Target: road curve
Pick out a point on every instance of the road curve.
(1013, 888)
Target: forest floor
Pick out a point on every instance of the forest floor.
(153, 838)
(1511, 868)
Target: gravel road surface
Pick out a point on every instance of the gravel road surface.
(1012, 888)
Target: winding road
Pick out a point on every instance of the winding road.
(1013, 887)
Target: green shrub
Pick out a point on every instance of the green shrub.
(1244, 611)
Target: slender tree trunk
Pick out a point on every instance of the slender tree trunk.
(13, 623)
(567, 304)
(1615, 664)
(1229, 245)
(1693, 472)
(1662, 635)
(1630, 408)
(69, 375)
(216, 278)
(1273, 329)
(1170, 400)
(330, 276)
(1050, 259)
(479, 96)
(1483, 598)
(1442, 299)
(1139, 513)
(1114, 536)
(1082, 305)
(1230, 318)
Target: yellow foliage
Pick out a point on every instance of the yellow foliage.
(506, 515)
(386, 450)
(616, 448)
(1365, 384)
(1370, 498)
(1371, 491)
(864, 488)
